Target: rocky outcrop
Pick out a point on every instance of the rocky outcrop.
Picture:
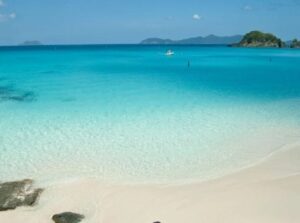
(18, 193)
(67, 217)
(260, 39)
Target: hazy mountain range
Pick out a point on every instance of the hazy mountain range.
(211, 39)
(31, 43)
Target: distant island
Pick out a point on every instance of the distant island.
(260, 39)
(211, 39)
(295, 44)
(253, 39)
(31, 43)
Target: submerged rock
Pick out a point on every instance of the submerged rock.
(18, 193)
(9, 93)
(67, 217)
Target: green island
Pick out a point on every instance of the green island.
(295, 44)
(260, 39)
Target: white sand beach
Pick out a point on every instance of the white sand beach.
(150, 111)
(268, 192)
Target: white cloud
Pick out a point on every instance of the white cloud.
(248, 8)
(197, 17)
(12, 15)
(5, 17)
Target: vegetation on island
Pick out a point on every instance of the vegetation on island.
(260, 39)
(295, 44)
(199, 40)
(255, 39)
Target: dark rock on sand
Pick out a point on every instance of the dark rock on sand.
(18, 193)
(67, 217)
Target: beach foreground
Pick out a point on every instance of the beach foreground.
(266, 192)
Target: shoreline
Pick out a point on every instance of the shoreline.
(268, 191)
(265, 143)
(181, 182)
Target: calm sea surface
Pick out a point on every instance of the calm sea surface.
(132, 114)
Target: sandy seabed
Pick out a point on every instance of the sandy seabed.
(267, 192)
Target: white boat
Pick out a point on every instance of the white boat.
(169, 53)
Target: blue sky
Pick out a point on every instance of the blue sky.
(129, 21)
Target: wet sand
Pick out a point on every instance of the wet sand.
(267, 192)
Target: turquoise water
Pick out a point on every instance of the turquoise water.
(131, 114)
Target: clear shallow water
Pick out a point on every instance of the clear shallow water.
(129, 113)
